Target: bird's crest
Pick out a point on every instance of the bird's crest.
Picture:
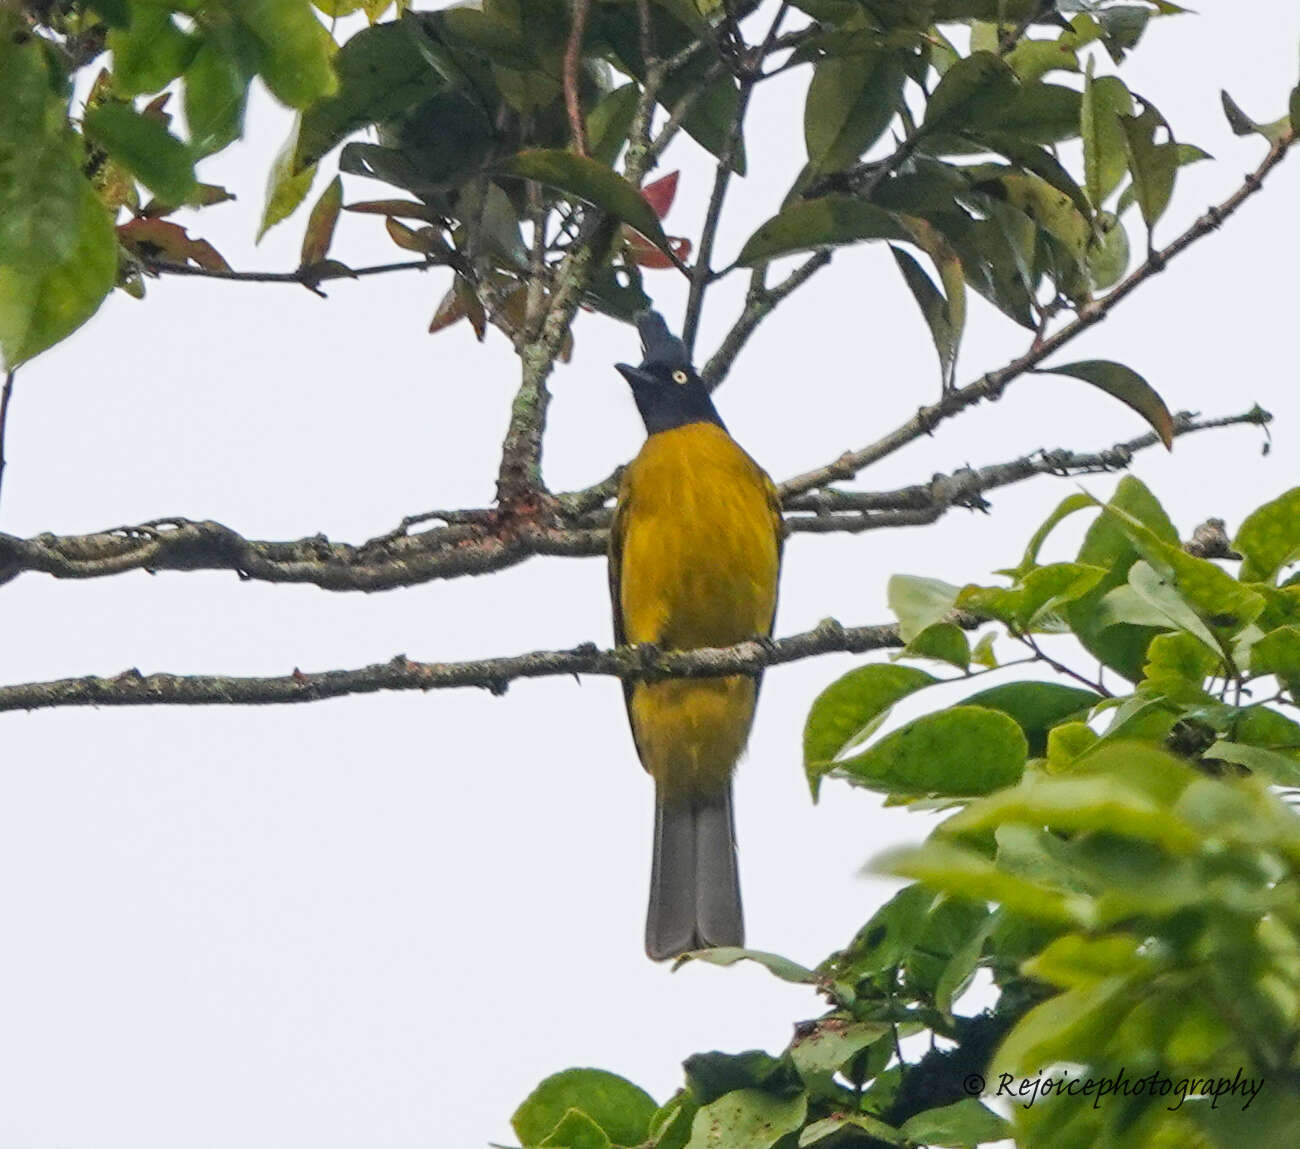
(659, 346)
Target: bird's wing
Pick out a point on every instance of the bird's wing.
(617, 531)
(778, 527)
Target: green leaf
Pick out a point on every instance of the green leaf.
(613, 1103)
(935, 309)
(146, 148)
(294, 49)
(820, 1051)
(1100, 802)
(1029, 605)
(1109, 258)
(839, 1122)
(42, 305)
(1105, 159)
(850, 103)
(747, 1119)
(1153, 165)
(1033, 59)
(576, 1131)
(965, 873)
(150, 53)
(40, 184)
(918, 603)
(944, 641)
(482, 34)
(1178, 664)
(1126, 385)
(1038, 161)
(712, 116)
(960, 751)
(1243, 125)
(974, 91)
(851, 708)
(1036, 707)
(609, 122)
(1050, 210)
(1275, 768)
(713, 1075)
(1058, 1028)
(287, 185)
(1074, 960)
(1278, 652)
(964, 1123)
(216, 94)
(775, 964)
(1269, 539)
(826, 222)
(1220, 600)
(1042, 114)
(382, 73)
(593, 182)
(888, 937)
(1122, 648)
(1066, 507)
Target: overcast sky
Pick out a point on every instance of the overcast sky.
(380, 921)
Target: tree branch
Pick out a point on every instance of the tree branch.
(131, 688)
(700, 270)
(760, 302)
(6, 393)
(482, 540)
(572, 78)
(992, 385)
(308, 276)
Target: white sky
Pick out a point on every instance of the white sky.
(381, 920)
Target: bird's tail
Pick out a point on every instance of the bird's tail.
(694, 881)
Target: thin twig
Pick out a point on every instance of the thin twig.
(701, 272)
(5, 395)
(760, 301)
(992, 385)
(572, 74)
(307, 276)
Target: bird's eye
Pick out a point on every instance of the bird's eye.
(680, 376)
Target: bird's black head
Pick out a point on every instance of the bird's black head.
(667, 390)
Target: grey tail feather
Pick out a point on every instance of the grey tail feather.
(694, 881)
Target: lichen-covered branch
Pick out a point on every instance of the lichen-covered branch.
(482, 540)
(131, 688)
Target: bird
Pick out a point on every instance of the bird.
(694, 561)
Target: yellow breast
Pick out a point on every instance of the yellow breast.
(700, 541)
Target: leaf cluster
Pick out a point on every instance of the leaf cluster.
(1116, 859)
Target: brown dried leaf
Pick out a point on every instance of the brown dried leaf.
(157, 238)
(320, 224)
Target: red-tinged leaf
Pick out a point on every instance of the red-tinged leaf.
(320, 224)
(450, 311)
(205, 196)
(473, 306)
(400, 208)
(645, 254)
(156, 109)
(660, 194)
(425, 240)
(159, 238)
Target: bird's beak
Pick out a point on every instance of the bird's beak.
(634, 375)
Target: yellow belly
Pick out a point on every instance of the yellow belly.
(700, 558)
